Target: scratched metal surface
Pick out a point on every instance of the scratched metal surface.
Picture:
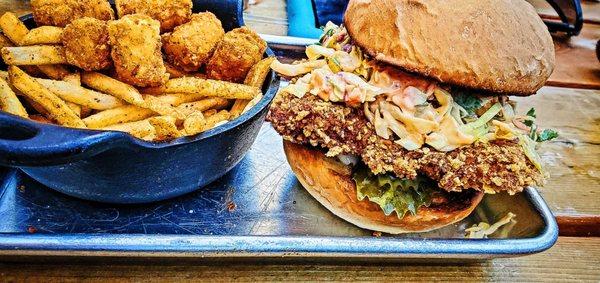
(268, 200)
(259, 197)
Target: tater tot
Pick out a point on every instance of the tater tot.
(62, 12)
(136, 50)
(86, 46)
(170, 13)
(239, 50)
(191, 44)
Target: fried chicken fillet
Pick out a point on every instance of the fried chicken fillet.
(86, 44)
(170, 13)
(190, 45)
(496, 166)
(62, 12)
(136, 50)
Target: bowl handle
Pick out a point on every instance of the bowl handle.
(28, 143)
(230, 12)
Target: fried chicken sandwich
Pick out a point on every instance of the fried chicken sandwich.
(400, 120)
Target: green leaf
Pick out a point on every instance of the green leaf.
(393, 194)
(546, 135)
(531, 113)
(467, 101)
(528, 123)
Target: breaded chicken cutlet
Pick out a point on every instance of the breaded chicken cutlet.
(136, 50)
(190, 45)
(498, 165)
(62, 12)
(170, 13)
(86, 44)
(239, 50)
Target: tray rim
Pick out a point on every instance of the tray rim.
(301, 247)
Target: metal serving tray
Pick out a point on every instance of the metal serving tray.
(258, 210)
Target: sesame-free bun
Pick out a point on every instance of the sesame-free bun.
(501, 46)
(330, 182)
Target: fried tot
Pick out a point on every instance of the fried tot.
(86, 45)
(136, 50)
(191, 44)
(239, 50)
(62, 12)
(170, 13)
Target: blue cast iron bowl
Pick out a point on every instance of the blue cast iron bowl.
(115, 167)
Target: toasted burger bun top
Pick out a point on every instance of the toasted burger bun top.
(330, 182)
(500, 46)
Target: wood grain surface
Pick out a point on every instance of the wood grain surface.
(571, 259)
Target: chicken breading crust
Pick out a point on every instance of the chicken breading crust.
(495, 166)
(86, 45)
(239, 50)
(62, 12)
(136, 50)
(170, 13)
(191, 44)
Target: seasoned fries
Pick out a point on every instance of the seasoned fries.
(33, 55)
(82, 68)
(206, 88)
(81, 96)
(255, 77)
(42, 35)
(56, 108)
(13, 28)
(165, 127)
(138, 129)
(123, 114)
(9, 101)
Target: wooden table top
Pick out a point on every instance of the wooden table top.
(570, 104)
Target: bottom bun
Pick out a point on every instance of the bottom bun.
(330, 182)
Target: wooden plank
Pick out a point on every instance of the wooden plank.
(576, 63)
(572, 160)
(267, 17)
(571, 259)
(579, 225)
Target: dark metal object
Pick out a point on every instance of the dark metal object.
(570, 16)
(257, 210)
(115, 167)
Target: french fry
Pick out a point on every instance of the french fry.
(55, 72)
(194, 124)
(80, 95)
(204, 104)
(42, 35)
(176, 99)
(258, 73)
(255, 77)
(139, 129)
(57, 108)
(209, 112)
(5, 41)
(165, 127)
(122, 114)
(9, 101)
(75, 79)
(206, 87)
(13, 28)
(76, 108)
(155, 104)
(33, 55)
(127, 93)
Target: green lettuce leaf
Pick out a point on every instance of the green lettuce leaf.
(467, 101)
(393, 194)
